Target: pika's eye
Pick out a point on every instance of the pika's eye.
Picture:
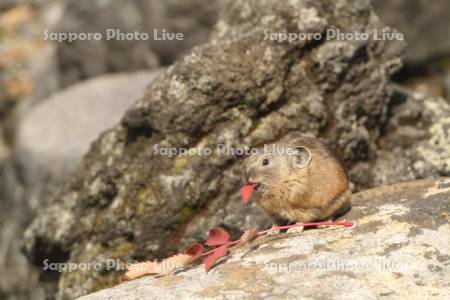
(265, 162)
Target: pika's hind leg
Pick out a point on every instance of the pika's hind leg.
(302, 216)
(341, 206)
(344, 204)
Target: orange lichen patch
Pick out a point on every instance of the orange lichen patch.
(16, 16)
(13, 55)
(19, 53)
(16, 88)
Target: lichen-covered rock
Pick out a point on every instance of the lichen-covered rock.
(398, 248)
(240, 89)
(430, 155)
(416, 142)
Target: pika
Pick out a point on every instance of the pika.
(298, 180)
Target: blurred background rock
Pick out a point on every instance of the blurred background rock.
(57, 98)
(426, 25)
(84, 59)
(49, 130)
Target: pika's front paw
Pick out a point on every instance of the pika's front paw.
(295, 230)
(273, 232)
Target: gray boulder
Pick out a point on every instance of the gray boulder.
(397, 249)
(53, 137)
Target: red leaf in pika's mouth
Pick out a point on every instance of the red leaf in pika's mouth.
(246, 191)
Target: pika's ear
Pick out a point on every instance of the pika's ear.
(302, 157)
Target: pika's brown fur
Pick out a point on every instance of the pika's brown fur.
(298, 180)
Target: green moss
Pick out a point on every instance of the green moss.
(179, 164)
(123, 248)
(97, 281)
(145, 198)
(186, 214)
(144, 194)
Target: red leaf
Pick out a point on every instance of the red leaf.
(218, 253)
(246, 192)
(217, 237)
(195, 250)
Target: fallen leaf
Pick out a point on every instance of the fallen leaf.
(174, 263)
(246, 192)
(218, 253)
(140, 269)
(195, 250)
(166, 266)
(248, 236)
(217, 237)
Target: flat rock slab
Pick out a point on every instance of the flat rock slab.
(398, 248)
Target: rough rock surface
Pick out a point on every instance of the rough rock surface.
(415, 142)
(398, 249)
(82, 59)
(424, 23)
(241, 90)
